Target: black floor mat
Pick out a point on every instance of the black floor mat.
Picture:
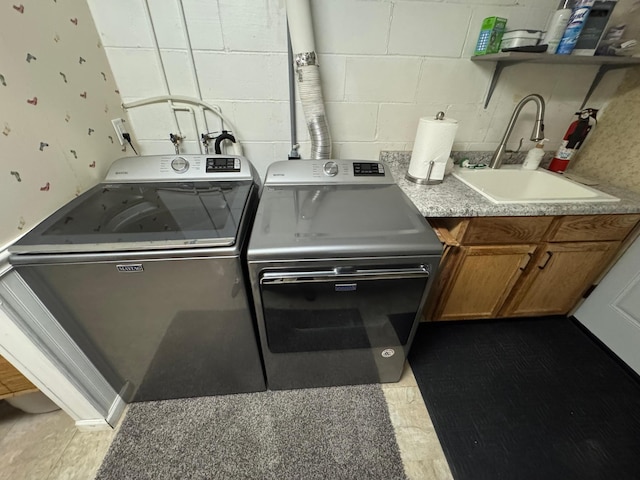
(528, 399)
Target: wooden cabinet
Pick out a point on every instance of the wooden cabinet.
(12, 382)
(559, 275)
(484, 276)
(522, 266)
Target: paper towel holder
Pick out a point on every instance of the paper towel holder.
(423, 181)
(426, 181)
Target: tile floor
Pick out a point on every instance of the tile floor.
(420, 448)
(48, 446)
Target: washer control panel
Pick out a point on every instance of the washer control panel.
(222, 164)
(180, 168)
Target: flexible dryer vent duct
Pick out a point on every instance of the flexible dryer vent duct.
(308, 75)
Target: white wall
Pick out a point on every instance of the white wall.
(383, 63)
(57, 99)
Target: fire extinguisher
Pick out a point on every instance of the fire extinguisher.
(573, 139)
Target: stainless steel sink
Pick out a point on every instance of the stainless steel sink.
(512, 184)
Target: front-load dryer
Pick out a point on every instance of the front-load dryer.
(340, 263)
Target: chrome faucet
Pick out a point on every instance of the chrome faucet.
(536, 135)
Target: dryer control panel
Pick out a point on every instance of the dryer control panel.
(322, 172)
(363, 169)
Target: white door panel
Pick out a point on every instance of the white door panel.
(612, 312)
(628, 302)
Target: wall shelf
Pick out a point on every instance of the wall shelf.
(508, 59)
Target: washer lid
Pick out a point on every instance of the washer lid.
(143, 216)
(306, 221)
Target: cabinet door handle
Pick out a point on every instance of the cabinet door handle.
(523, 267)
(549, 255)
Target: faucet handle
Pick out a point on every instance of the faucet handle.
(517, 149)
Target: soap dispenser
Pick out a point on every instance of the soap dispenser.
(534, 156)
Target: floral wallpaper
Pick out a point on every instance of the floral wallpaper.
(611, 152)
(57, 99)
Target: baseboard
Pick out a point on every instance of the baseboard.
(116, 410)
(93, 425)
(109, 423)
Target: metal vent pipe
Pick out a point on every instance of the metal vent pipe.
(308, 76)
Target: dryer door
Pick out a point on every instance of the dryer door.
(341, 309)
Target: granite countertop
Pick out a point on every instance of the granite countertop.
(452, 198)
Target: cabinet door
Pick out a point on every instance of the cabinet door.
(558, 277)
(482, 279)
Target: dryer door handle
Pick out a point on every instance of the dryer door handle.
(343, 273)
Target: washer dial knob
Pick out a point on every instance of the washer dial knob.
(330, 169)
(179, 164)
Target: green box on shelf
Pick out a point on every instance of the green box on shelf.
(490, 35)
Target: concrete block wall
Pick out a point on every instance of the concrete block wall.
(384, 64)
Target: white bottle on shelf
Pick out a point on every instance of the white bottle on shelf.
(534, 156)
(557, 26)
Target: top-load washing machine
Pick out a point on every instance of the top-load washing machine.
(145, 273)
(340, 263)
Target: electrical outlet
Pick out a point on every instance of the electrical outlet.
(118, 126)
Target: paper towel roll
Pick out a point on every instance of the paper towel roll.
(434, 140)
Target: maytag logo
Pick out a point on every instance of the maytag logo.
(122, 173)
(130, 268)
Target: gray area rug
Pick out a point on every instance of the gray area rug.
(317, 433)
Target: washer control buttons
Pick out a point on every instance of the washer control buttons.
(330, 169)
(179, 165)
(222, 164)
